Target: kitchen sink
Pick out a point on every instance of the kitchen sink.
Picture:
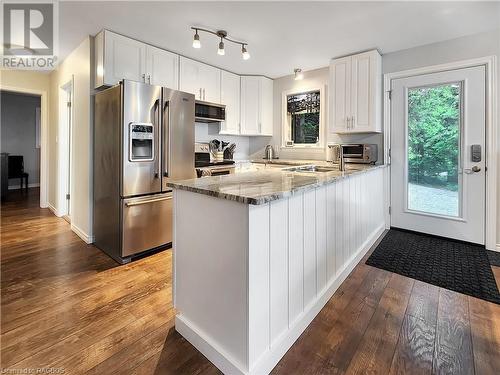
(312, 168)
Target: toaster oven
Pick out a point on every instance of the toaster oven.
(361, 153)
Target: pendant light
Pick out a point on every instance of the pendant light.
(244, 52)
(221, 50)
(298, 74)
(196, 40)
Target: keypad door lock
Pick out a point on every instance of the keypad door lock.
(476, 153)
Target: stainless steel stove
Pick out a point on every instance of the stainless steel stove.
(206, 166)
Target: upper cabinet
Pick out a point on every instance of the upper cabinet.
(118, 57)
(248, 99)
(230, 97)
(200, 79)
(162, 68)
(356, 93)
(256, 106)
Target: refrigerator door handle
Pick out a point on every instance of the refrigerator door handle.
(166, 137)
(156, 119)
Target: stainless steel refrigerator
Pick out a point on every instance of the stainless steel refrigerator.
(143, 137)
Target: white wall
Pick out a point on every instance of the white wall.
(469, 47)
(76, 67)
(206, 132)
(318, 78)
(18, 133)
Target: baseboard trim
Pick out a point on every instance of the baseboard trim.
(54, 210)
(82, 234)
(498, 247)
(17, 187)
(280, 346)
(207, 347)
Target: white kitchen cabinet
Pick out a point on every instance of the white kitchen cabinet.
(162, 68)
(356, 93)
(256, 106)
(200, 79)
(266, 106)
(230, 96)
(118, 57)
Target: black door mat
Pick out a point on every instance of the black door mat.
(494, 257)
(454, 265)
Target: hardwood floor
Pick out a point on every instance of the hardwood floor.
(66, 305)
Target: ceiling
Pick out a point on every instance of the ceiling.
(281, 35)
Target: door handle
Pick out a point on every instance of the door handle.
(138, 203)
(474, 169)
(166, 138)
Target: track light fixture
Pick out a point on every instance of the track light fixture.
(298, 74)
(223, 36)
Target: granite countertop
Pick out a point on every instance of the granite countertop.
(258, 184)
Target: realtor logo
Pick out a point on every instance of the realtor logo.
(29, 35)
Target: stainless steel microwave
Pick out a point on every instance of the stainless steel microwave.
(209, 112)
(362, 153)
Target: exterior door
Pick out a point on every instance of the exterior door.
(438, 177)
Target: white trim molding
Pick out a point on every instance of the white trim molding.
(17, 187)
(492, 132)
(82, 234)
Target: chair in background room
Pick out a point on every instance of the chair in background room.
(16, 169)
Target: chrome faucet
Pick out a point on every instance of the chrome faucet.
(338, 156)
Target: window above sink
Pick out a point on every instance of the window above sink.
(302, 118)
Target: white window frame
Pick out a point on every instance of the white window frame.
(285, 126)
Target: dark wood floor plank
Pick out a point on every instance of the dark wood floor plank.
(485, 330)
(453, 347)
(415, 348)
(376, 349)
(423, 303)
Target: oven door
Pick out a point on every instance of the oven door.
(146, 223)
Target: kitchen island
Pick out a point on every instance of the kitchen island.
(258, 254)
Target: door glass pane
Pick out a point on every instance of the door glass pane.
(434, 149)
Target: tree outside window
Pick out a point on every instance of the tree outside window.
(303, 115)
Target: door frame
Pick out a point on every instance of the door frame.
(65, 146)
(44, 121)
(492, 133)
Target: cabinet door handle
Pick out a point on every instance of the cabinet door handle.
(149, 78)
(204, 94)
(353, 122)
(348, 120)
(144, 77)
(200, 93)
